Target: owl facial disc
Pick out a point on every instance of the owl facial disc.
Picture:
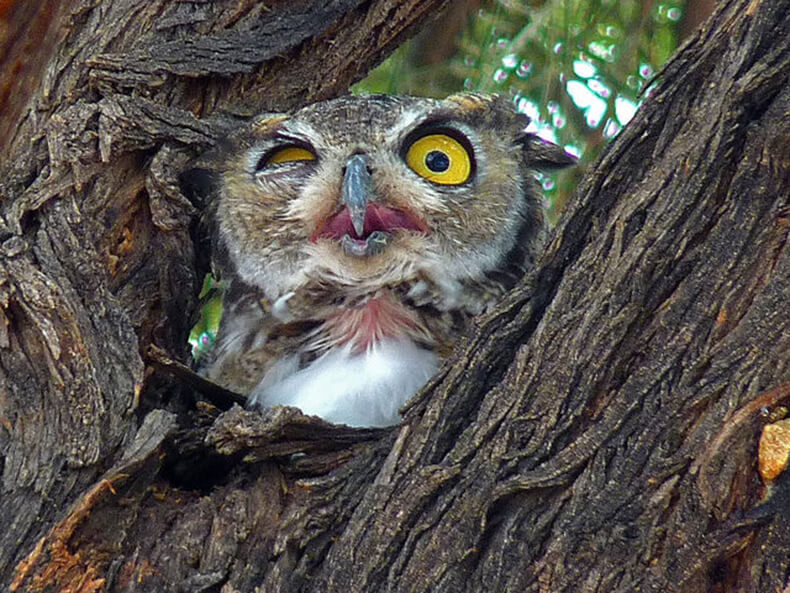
(364, 227)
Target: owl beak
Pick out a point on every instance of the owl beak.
(364, 227)
(357, 190)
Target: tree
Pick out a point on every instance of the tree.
(598, 432)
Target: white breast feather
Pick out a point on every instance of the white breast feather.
(358, 389)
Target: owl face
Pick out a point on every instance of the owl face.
(369, 192)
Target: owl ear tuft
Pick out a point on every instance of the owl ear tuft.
(471, 102)
(542, 155)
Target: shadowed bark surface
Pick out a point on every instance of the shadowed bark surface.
(598, 433)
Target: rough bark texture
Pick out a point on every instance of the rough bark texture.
(598, 433)
(103, 102)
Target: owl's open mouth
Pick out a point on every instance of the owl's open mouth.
(381, 223)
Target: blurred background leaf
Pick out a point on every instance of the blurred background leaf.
(578, 68)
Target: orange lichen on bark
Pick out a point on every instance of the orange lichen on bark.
(134, 571)
(721, 318)
(53, 564)
(741, 420)
(67, 571)
(24, 567)
(774, 450)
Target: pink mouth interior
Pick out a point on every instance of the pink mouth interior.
(377, 218)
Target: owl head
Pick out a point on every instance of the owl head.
(366, 192)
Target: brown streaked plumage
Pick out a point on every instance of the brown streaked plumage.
(358, 237)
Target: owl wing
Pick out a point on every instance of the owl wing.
(255, 335)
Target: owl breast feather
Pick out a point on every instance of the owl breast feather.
(346, 387)
(372, 360)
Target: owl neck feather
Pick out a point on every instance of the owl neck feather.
(363, 326)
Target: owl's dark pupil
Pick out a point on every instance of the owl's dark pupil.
(437, 161)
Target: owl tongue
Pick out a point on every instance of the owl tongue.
(377, 218)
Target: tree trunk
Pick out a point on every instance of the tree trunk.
(598, 433)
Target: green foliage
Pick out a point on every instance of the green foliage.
(202, 336)
(577, 68)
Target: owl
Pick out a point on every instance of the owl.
(357, 238)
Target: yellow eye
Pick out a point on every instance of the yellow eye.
(290, 154)
(440, 159)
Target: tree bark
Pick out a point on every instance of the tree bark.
(598, 432)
